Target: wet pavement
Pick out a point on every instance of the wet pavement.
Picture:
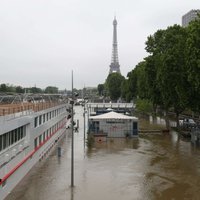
(151, 167)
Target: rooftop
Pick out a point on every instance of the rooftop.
(113, 115)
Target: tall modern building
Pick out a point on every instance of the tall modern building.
(188, 17)
(114, 66)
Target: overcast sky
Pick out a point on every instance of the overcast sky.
(42, 41)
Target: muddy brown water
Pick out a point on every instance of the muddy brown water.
(150, 167)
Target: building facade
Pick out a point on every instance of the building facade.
(113, 125)
(188, 17)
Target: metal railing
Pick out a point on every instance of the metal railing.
(8, 109)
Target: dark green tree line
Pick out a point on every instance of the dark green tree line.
(7, 88)
(170, 76)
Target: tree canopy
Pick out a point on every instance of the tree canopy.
(100, 89)
(7, 88)
(51, 90)
(113, 84)
(169, 77)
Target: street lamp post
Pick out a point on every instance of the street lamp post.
(72, 144)
(84, 123)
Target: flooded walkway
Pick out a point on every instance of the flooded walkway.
(152, 167)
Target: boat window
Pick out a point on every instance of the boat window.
(1, 141)
(35, 143)
(40, 119)
(4, 141)
(23, 131)
(11, 137)
(36, 122)
(44, 137)
(43, 118)
(40, 139)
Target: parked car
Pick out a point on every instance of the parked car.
(187, 122)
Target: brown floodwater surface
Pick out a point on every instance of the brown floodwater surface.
(150, 167)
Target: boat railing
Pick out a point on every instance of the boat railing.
(10, 109)
(15, 115)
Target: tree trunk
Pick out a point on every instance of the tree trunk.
(154, 109)
(177, 120)
(167, 119)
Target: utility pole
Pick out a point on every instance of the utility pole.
(84, 116)
(84, 123)
(72, 145)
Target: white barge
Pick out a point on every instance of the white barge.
(29, 127)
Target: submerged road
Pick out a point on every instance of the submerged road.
(151, 167)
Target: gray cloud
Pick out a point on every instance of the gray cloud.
(42, 41)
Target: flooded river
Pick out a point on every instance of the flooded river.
(151, 167)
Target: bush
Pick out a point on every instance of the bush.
(144, 106)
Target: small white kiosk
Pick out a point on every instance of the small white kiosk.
(113, 125)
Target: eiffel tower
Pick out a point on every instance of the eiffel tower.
(114, 66)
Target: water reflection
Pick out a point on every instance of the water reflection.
(72, 193)
(118, 144)
(174, 173)
(174, 138)
(160, 121)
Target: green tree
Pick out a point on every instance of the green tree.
(155, 47)
(166, 69)
(132, 84)
(193, 63)
(113, 83)
(174, 63)
(51, 90)
(3, 87)
(35, 90)
(19, 89)
(143, 106)
(100, 89)
(142, 86)
(171, 72)
(153, 91)
(7, 88)
(125, 94)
